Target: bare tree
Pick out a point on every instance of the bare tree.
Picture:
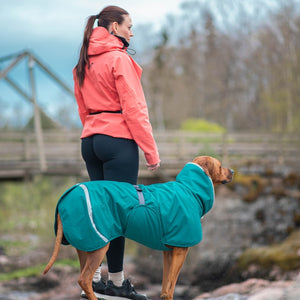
(242, 74)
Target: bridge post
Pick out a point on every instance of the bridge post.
(37, 119)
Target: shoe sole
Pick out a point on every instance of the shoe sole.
(99, 296)
(106, 297)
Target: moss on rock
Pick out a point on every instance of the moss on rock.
(286, 255)
(253, 185)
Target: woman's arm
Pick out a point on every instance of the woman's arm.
(135, 109)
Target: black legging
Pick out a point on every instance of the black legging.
(116, 159)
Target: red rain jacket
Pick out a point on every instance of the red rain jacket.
(113, 83)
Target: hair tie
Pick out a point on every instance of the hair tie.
(97, 16)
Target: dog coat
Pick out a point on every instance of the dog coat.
(95, 212)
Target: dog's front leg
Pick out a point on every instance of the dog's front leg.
(178, 257)
(89, 262)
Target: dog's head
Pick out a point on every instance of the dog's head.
(213, 168)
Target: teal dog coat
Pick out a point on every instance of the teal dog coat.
(96, 212)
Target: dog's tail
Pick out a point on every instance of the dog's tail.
(58, 240)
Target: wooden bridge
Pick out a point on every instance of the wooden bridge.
(24, 154)
(21, 155)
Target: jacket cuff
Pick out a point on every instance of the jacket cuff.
(152, 158)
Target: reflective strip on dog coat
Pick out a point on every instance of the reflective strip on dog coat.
(96, 212)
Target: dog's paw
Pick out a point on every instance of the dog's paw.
(164, 296)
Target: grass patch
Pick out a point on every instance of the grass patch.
(15, 247)
(29, 206)
(37, 270)
(27, 217)
(26, 272)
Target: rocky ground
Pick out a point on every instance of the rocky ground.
(61, 283)
(256, 289)
(255, 213)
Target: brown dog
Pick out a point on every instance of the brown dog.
(204, 171)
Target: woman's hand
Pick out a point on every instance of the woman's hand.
(153, 167)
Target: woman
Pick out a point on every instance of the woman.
(114, 114)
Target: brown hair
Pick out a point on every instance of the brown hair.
(107, 16)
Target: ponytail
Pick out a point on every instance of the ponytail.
(107, 16)
(84, 58)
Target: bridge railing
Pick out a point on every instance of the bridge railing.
(19, 152)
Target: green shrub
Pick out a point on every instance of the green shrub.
(201, 125)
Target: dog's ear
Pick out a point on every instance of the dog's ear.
(207, 164)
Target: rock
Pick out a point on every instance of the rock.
(269, 293)
(4, 260)
(256, 289)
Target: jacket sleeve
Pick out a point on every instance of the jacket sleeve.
(134, 107)
(79, 99)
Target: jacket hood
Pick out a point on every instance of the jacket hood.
(195, 179)
(102, 41)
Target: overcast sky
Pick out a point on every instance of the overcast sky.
(50, 26)
(53, 30)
